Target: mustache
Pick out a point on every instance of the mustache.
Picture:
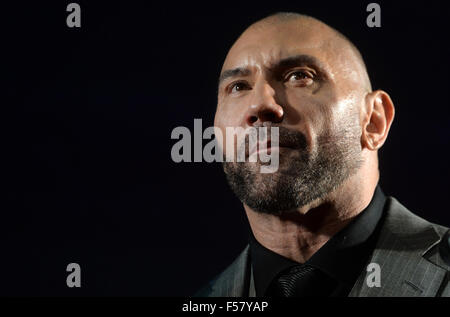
(286, 138)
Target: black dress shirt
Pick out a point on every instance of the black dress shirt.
(342, 258)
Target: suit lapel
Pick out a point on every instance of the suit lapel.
(407, 256)
(235, 280)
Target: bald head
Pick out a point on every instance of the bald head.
(286, 17)
(332, 39)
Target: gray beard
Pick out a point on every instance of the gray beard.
(302, 178)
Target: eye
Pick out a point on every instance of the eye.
(238, 86)
(301, 77)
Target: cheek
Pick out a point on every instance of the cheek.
(308, 112)
(225, 118)
(219, 127)
(231, 115)
(315, 114)
(345, 116)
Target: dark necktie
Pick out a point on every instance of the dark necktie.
(301, 280)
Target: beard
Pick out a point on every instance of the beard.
(303, 176)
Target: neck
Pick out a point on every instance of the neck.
(297, 235)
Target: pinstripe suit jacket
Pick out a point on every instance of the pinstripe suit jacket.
(406, 251)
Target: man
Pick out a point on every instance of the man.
(320, 225)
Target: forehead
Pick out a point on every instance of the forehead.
(264, 45)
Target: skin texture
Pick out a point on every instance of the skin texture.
(324, 97)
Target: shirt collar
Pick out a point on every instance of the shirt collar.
(342, 257)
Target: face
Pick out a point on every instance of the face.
(303, 79)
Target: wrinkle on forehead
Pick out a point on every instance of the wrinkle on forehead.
(265, 42)
(267, 46)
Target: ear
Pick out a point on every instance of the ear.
(377, 119)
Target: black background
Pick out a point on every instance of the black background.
(87, 116)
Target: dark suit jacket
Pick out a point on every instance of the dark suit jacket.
(406, 251)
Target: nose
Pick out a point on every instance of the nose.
(264, 107)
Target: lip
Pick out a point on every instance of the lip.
(264, 148)
(272, 148)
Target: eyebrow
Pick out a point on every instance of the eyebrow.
(288, 62)
(235, 72)
(299, 60)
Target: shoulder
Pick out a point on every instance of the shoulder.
(404, 235)
(404, 223)
(407, 255)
